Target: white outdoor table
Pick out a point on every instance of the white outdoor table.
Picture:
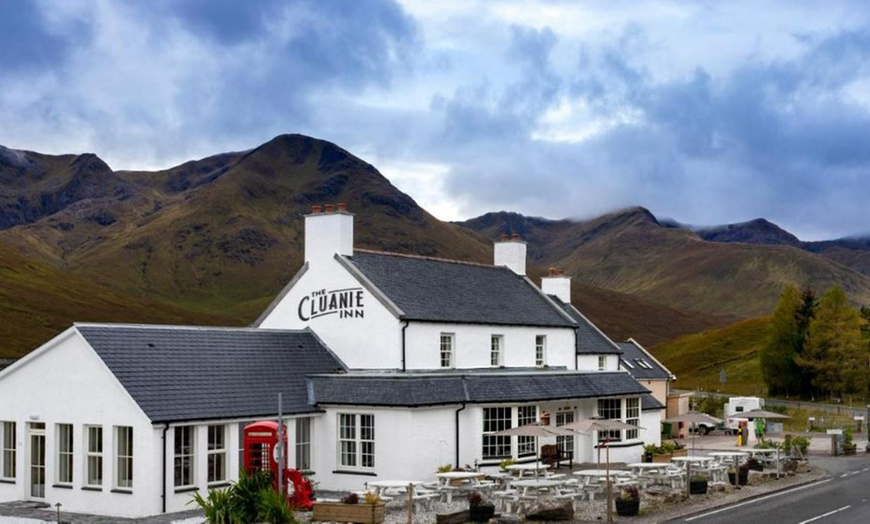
(537, 488)
(769, 455)
(736, 455)
(472, 478)
(524, 469)
(693, 460)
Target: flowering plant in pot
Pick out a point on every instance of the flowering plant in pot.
(628, 503)
(479, 509)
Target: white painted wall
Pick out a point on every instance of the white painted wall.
(65, 382)
(372, 341)
(590, 362)
(472, 345)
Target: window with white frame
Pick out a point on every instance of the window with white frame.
(540, 350)
(602, 363)
(303, 443)
(495, 351)
(356, 441)
(447, 350)
(526, 415)
(8, 447)
(565, 442)
(217, 453)
(610, 408)
(632, 416)
(64, 454)
(496, 419)
(124, 457)
(184, 456)
(94, 456)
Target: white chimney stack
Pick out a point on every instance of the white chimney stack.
(328, 232)
(511, 252)
(558, 285)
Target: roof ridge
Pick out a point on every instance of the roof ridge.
(423, 257)
(184, 327)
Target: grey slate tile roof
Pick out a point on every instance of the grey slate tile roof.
(590, 340)
(448, 291)
(198, 373)
(649, 403)
(425, 389)
(634, 356)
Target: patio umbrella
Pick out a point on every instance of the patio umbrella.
(602, 424)
(535, 429)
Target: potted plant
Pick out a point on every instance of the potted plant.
(506, 462)
(738, 477)
(698, 485)
(628, 503)
(351, 509)
(849, 447)
(648, 451)
(753, 464)
(479, 509)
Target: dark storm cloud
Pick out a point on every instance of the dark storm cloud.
(27, 42)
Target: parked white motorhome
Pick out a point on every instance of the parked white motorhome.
(737, 405)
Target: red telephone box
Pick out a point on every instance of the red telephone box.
(261, 443)
(261, 453)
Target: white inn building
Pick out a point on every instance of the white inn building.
(390, 366)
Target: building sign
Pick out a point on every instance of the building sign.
(346, 303)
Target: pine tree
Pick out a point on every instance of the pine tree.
(835, 350)
(778, 366)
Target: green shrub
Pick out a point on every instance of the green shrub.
(272, 507)
(216, 505)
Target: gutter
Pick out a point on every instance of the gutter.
(163, 494)
(403, 343)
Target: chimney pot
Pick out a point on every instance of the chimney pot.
(504, 237)
(316, 209)
(329, 208)
(515, 237)
(552, 271)
(342, 206)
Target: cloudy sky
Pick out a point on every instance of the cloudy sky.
(707, 112)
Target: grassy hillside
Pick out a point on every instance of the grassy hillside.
(698, 360)
(37, 302)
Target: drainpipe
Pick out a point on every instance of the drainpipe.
(403, 343)
(163, 496)
(576, 350)
(457, 433)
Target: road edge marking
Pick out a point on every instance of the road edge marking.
(759, 499)
(828, 514)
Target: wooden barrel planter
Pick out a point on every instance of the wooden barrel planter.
(341, 512)
(627, 507)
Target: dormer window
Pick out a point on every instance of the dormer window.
(602, 363)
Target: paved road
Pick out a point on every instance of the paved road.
(842, 498)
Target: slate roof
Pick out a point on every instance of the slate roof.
(200, 373)
(649, 403)
(430, 389)
(448, 291)
(635, 356)
(590, 340)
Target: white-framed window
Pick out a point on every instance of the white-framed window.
(632, 416)
(9, 450)
(124, 457)
(217, 453)
(566, 442)
(303, 443)
(496, 419)
(64, 442)
(540, 350)
(526, 415)
(356, 441)
(184, 456)
(495, 351)
(94, 456)
(602, 363)
(610, 408)
(447, 356)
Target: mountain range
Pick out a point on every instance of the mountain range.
(212, 241)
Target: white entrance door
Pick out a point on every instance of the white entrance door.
(36, 462)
